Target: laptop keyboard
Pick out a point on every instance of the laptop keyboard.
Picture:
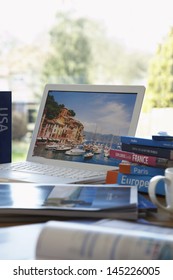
(51, 170)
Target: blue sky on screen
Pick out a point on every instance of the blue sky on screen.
(108, 113)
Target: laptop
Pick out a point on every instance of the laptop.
(75, 128)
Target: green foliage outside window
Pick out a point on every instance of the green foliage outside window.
(69, 58)
(80, 51)
(159, 92)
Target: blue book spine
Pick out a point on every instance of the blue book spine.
(5, 127)
(145, 204)
(162, 137)
(146, 170)
(142, 182)
(138, 169)
(146, 142)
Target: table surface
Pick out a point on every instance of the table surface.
(19, 242)
(161, 217)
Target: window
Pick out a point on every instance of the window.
(74, 41)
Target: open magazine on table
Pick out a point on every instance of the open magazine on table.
(105, 239)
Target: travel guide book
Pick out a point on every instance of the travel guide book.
(141, 158)
(136, 169)
(31, 202)
(148, 150)
(148, 142)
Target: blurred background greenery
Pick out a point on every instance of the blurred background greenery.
(19, 150)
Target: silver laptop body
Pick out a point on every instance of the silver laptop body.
(75, 128)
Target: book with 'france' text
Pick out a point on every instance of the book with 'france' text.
(141, 159)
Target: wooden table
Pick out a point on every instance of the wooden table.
(161, 217)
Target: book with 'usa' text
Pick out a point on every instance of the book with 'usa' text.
(5, 126)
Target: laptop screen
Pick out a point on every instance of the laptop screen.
(82, 126)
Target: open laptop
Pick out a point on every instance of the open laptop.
(75, 128)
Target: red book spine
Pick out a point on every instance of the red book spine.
(140, 159)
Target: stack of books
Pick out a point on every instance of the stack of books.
(29, 202)
(142, 159)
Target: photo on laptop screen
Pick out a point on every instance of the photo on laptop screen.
(79, 126)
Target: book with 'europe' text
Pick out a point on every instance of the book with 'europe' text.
(140, 181)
